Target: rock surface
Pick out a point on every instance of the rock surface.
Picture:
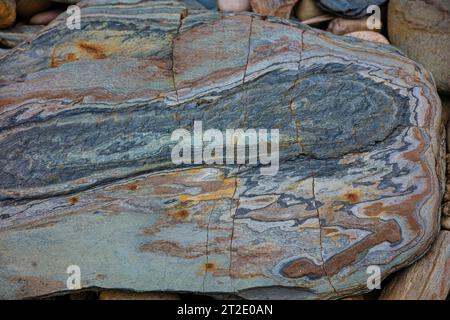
(276, 8)
(44, 18)
(7, 13)
(427, 279)
(28, 8)
(445, 223)
(342, 26)
(369, 36)
(11, 37)
(307, 9)
(86, 177)
(209, 4)
(233, 5)
(348, 8)
(422, 30)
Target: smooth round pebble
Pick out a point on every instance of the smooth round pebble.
(233, 5)
(7, 13)
(307, 9)
(278, 8)
(342, 26)
(421, 29)
(28, 8)
(369, 36)
(445, 222)
(45, 17)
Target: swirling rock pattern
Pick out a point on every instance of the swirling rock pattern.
(86, 177)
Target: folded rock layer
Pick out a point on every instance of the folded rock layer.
(86, 176)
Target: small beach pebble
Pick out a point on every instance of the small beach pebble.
(7, 13)
(233, 5)
(445, 222)
(342, 26)
(276, 8)
(369, 36)
(307, 9)
(45, 17)
(28, 8)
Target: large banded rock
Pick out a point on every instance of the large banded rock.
(86, 176)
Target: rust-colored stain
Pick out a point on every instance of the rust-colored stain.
(209, 267)
(329, 231)
(55, 62)
(70, 57)
(180, 214)
(132, 186)
(73, 200)
(173, 249)
(34, 286)
(95, 51)
(352, 196)
(302, 267)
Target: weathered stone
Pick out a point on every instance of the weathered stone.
(233, 5)
(209, 4)
(276, 8)
(342, 26)
(422, 30)
(307, 9)
(446, 209)
(28, 8)
(86, 176)
(348, 8)
(128, 295)
(445, 222)
(44, 18)
(13, 36)
(426, 279)
(314, 22)
(7, 13)
(369, 36)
